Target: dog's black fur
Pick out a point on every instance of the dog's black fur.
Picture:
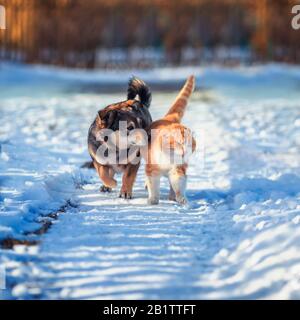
(137, 116)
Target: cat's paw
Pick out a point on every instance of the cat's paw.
(153, 201)
(181, 200)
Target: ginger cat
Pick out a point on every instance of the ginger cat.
(169, 147)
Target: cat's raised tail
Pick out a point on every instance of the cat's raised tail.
(177, 110)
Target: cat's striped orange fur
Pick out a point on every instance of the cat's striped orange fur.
(169, 136)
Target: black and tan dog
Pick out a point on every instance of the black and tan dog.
(135, 114)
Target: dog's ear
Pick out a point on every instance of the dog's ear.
(111, 118)
(101, 117)
(101, 114)
(106, 118)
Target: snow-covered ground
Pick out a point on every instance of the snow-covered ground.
(239, 236)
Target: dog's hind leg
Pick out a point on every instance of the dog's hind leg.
(128, 180)
(106, 175)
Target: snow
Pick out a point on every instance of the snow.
(237, 238)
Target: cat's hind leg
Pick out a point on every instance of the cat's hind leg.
(177, 178)
(153, 183)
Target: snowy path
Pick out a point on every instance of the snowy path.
(113, 248)
(239, 237)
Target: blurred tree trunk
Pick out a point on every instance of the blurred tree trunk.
(260, 38)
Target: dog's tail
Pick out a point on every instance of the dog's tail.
(88, 165)
(177, 110)
(137, 87)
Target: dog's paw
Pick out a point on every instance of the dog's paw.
(105, 189)
(153, 201)
(125, 195)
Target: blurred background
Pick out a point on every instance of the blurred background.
(148, 33)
